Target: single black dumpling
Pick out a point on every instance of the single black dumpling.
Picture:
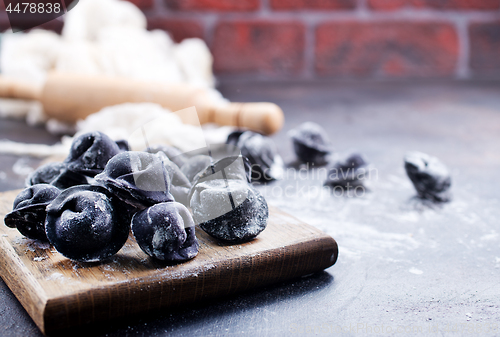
(265, 162)
(28, 214)
(56, 174)
(233, 167)
(90, 153)
(349, 172)
(195, 165)
(123, 145)
(138, 178)
(86, 223)
(429, 175)
(172, 153)
(233, 137)
(229, 210)
(311, 143)
(228, 168)
(166, 231)
(179, 184)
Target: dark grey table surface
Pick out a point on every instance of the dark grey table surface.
(404, 267)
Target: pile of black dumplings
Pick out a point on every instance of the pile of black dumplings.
(86, 206)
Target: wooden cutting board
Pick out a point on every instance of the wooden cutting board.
(59, 293)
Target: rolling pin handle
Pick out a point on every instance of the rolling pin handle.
(11, 88)
(263, 117)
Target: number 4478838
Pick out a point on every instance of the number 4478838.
(32, 7)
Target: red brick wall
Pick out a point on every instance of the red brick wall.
(311, 39)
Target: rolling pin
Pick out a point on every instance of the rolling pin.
(70, 97)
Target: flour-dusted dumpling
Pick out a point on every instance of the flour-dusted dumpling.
(350, 172)
(229, 168)
(90, 153)
(138, 178)
(311, 143)
(195, 165)
(262, 153)
(173, 153)
(28, 214)
(214, 198)
(56, 174)
(224, 203)
(87, 223)
(234, 168)
(179, 184)
(429, 175)
(229, 210)
(123, 145)
(233, 137)
(166, 231)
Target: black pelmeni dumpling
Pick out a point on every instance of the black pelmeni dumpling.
(229, 168)
(87, 223)
(262, 153)
(429, 175)
(138, 178)
(233, 137)
(311, 143)
(123, 145)
(173, 153)
(56, 174)
(90, 153)
(348, 172)
(233, 167)
(179, 184)
(28, 214)
(166, 231)
(195, 165)
(229, 210)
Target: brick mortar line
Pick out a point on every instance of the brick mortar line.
(362, 8)
(337, 16)
(249, 78)
(209, 30)
(265, 6)
(158, 4)
(463, 67)
(309, 50)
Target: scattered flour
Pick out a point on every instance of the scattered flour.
(415, 271)
(34, 150)
(489, 237)
(21, 167)
(56, 276)
(124, 122)
(362, 240)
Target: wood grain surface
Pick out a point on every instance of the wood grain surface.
(59, 293)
